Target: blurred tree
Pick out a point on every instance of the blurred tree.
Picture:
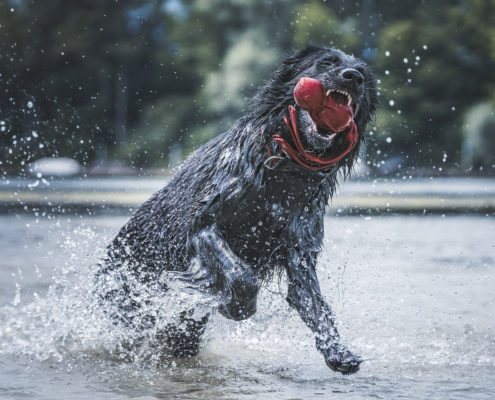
(434, 65)
(232, 46)
(162, 128)
(136, 79)
(90, 67)
(16, 113)
(317, 23)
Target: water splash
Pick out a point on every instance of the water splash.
(409, 315)
(71, 319)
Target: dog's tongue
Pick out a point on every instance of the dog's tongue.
(326, 111)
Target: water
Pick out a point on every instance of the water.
(441, 186)
(413, 295)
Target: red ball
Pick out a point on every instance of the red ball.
(309, 94)
(325, 111)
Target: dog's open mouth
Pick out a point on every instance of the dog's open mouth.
(332, 113)
(331, 110)
(341, 101)
(340, 97)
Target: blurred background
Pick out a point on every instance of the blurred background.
(138, 84)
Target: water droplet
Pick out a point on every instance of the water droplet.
(391, 103)
(30, 104)
(389, 140)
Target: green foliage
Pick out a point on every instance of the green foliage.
(134, 79)
(316, 23)
(89, 67)
(161, 126)
(433, 66)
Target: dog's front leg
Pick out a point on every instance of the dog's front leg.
(304, 295)
(232, 278)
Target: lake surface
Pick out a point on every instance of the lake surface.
(414, 296)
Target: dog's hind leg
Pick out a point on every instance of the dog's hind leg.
(215, 269)
(183, 339)
(304, 295)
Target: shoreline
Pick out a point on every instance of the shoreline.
(370, 197)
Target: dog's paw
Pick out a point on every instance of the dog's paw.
(339, 358)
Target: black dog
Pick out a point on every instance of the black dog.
(247, 204)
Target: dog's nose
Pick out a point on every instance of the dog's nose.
(352, 75)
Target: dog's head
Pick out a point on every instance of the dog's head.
(344, 79)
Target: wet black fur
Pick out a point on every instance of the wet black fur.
(238, 221)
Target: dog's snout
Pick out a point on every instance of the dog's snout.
(352, 75)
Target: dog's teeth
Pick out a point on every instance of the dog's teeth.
(332, 135)
(343, 92)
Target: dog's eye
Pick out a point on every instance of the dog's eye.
(329, 61)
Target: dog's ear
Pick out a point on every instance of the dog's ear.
(296, 63)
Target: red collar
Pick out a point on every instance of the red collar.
(304, 157)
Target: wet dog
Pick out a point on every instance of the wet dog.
(252, 202)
